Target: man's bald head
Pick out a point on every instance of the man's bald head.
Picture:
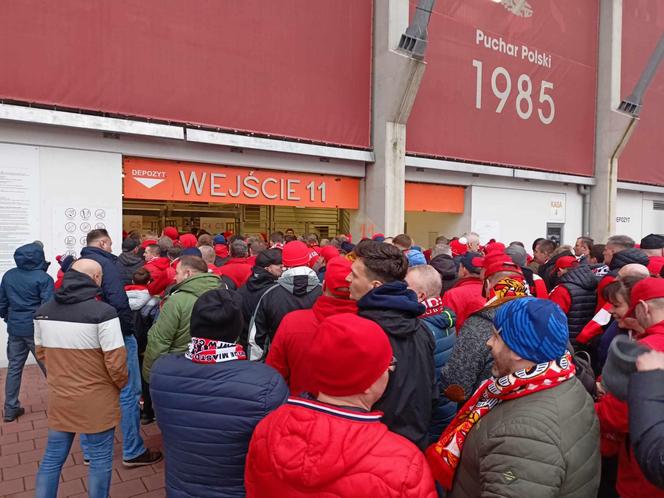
(425, 281)
(633, 270)
(90, 267)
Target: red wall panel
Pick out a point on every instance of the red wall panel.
(643, 24)
(291, 68)
(463, 109)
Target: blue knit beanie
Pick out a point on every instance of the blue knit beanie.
(415, 258)
(192, 251)
(219, 239)
(535, 329)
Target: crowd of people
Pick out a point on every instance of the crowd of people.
(288, 366)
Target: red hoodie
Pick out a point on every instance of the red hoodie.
(289, 352)
(162, 275)
(465, 298)
(237, 269)
(613, 417)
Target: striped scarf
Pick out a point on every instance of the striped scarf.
(445, 455)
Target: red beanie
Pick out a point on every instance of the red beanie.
(336, 274)
(148, 242)
(494, 247)
(295, 253)
(188, 240)
(328, 252)
(349, 354)
(171, 233)
(458, 249)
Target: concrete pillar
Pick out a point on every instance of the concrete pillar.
(396, 80)
(613, 127)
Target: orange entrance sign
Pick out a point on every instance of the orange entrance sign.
(157, 179)
(434, 198)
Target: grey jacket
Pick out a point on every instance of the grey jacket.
(545, 444)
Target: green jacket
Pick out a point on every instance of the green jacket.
(170, 333)
(542, 445)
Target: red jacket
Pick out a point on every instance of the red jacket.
(561, 296)
(306, 448)
(606, 280)
(613, 417)
(288, 353)
(237, 269)
(161, 273)
(465, 298)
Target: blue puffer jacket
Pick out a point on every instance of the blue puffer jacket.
(441, 321)
(24, 289)
(112, 286)
(207, 414)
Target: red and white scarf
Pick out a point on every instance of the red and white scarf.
(445, 455)
(203, 350)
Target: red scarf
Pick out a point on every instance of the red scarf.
(203, 350)
(445, 455)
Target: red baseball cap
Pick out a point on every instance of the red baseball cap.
(499, 262)
(337, 272)
(645, 290)
(565, 262)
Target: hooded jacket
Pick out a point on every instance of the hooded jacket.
(619, 259)
(259, 281)
(465, 298)
(80, 341)
(297, 289)
(448, 270)
(440, 322)
(170, 333)
(207, 414)
(237, 269)
(161, 273)
(112, 289)
(544, 444)
(24, 289)
(294, 337)
(306, 448)
(127, 263)
(412, 391)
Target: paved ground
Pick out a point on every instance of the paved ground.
(22, 445)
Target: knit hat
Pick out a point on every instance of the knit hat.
(458, 248)
(217, 315)
(518, 254)
(129, 244)
(171, 233)
(219, 239)
(192, 251)
(494, 247)
(295, 253)
(535, 329)
(472, 261)
(350, 354)
(652, 241)
(336, 274)
(347, 247)
(645, 290)
(378, 237)
(328, 252)
(620, 364)
(269, 257)
(565, 262)
(415, 258)
(188, 240)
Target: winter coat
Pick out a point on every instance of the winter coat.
(412, 392)
(170, 333)
(306, 448)
(161, 274)
(80, 340)
(465, 298)
(259, 281)
(448, 270)
(289, 351)
(207, 414)
(581, 285)
(144, 308)
(548, 270)
(619, 259)
(112, 288)
(542, 444)
(440, 322)
(237, 269)
(613, 416)
(298, 288)
(646, 423)
(127, 263)
(24, 289)
(471, 361)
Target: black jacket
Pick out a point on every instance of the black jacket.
(127, 263)
(412, 392)
(447, 269)
(112, 289)
(646, 423)
(626, 257)
(297, 289)
(581, 284)
(251, 292)
(548, 270)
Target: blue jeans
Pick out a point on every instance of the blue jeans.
(130, 408)
(18, 348)
(100, 446)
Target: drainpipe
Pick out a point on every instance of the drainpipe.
(584, 191)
